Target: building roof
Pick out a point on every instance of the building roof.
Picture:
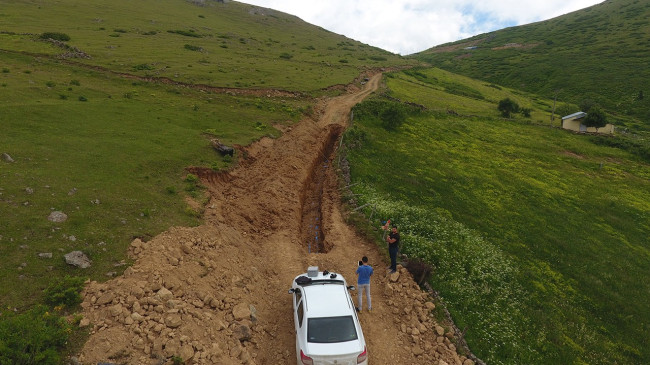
(577, 115)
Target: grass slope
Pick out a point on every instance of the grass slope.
(221, 44)
(538, 235)
(110, 153)
(599, 53)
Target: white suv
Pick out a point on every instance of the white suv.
(327, 326)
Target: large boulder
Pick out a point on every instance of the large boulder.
(57, 217)
(78, 259)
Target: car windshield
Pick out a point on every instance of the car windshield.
(331, 329)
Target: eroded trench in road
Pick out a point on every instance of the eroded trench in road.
(311, 226)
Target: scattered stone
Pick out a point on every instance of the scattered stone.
(72, 191)
(29, 190)
(84, 322)
(187, 352)
(173, 320)
(394, 277)
(57, 217)
(137, 317)
(105, 298)
(7, 158)
(241, 311)
(164, 295)
(417, 350)
(439, 330)
(45, 255)
(78, 259)
(242, 332)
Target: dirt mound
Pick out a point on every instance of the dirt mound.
(217, 294)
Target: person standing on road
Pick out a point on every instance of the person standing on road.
(393, 248)
(364, 271)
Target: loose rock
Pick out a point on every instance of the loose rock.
(78, 259)
(57, 217)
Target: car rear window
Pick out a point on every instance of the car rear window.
(331, 329)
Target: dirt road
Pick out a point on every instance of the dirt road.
(217, 294)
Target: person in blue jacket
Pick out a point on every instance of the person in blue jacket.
(364, 271)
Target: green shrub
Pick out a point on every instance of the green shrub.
(191, 178)
(193, 48)
(55, 36)
(33, 337)
(50, 84)
(507, 107)
(5, 70)
(596, 117)
(354, 137)
(393, 118)
(286, 56)
(186, 33)
(143, 66)
(64, 291)
(75, 82)
(82, 98)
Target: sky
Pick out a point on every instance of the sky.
(410, 26)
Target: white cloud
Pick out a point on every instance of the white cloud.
(411, 26)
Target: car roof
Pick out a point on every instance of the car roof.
(326, 299)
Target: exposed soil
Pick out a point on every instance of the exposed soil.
(217, 293)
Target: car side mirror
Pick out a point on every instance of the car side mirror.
(291, 291)
(351, 287)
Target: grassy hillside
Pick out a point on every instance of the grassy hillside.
(224, 44)
(538, 236)
(599, 53)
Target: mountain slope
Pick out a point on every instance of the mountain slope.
(600, 53)
(211, 42)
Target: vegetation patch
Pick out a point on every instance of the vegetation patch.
(524, 238)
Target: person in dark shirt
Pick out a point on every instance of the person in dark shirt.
(393, 248)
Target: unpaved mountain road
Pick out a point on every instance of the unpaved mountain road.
(217, 293)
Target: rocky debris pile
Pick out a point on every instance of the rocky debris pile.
(427, 340)
(168, 305)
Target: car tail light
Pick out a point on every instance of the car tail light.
(362, 356)
(306, 360)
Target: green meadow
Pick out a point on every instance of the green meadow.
(537, 236)
(220, 44)
(110, 153)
